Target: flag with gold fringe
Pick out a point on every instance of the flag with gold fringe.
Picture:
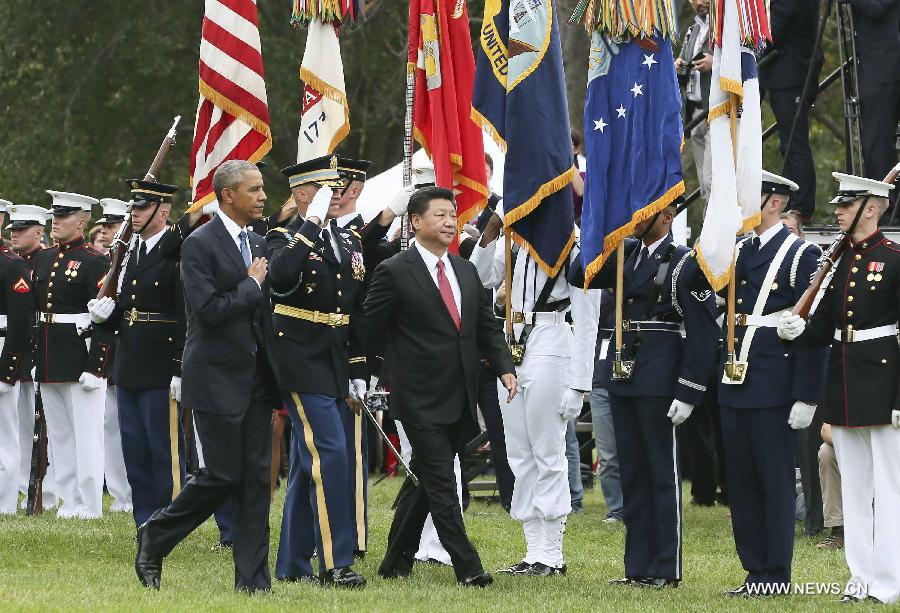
(520, 97)
(735, 131)
(632, 122)
(325, 114)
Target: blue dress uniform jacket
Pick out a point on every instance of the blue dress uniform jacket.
(665, 364)
(312, 357)
(17, 306)
(66, 277)
(779, 373)
(863, 384)
(149, 317)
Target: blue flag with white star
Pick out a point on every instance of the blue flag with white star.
(633, 135)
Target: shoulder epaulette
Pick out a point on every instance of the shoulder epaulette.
(91, 250)
(892, 245)
(278, 229)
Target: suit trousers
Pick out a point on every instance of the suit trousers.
(870, 466)
(607, 455)
(75, 433)
(434, 449)
(830, 478)
(26, 434)
(651, 485)
(114, 461)
(759, 454)
(224, 515)
(237, 450)
(9, 451)
(702, 151)
(358, 477)
(798, 164)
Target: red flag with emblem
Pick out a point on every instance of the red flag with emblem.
(440, 53)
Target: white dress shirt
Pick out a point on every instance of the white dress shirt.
(234, 231)
(651, 249)
(769, 234)
(431, 262)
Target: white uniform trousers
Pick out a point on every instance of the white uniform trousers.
(430, 546)
(75, 431)
(535, 439)
(26, 445)
(869, 459)
(114, 469)
(9, 451)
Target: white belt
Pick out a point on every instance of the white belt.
(760, 321)
(539, 317)
(854, 336)
(81, 320)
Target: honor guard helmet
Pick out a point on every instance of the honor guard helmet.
(774, 184)
(25, 215)
(851, 188)
(321, 170)
(113, 211)
(66, 203)
(147, 193)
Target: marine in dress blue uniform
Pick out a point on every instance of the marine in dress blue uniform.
(149, 317)
(317, 281)
(778, 394)
(668, 379)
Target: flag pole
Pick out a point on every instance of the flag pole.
(622, 369)
(734, 370)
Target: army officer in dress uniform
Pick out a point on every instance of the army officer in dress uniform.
(316, 270)
(149, 316)
(72, 357)
(858, 317)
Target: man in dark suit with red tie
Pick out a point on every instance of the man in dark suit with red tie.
(228, 382)
(428, 312)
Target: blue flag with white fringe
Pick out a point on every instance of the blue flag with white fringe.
(633, 136)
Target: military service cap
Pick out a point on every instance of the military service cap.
(353, 170)
(774, 184)
(321, 170)
(66, 203)
(113, 210)
(25, 215)
(851, 188)
(145, 193)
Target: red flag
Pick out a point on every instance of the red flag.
(440, 53)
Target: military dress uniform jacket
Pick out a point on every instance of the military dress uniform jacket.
(779, 373)
(149, 317)
(66, 277)
(28, 354)
(666, 365)
(16, 316)
(308, 282)
(863, 383)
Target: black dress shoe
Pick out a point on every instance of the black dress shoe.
(516, 569)
(147, 565)
(739, 592)
(629, 581)
(657, 583)
(300, 579)
(539, 569)
(847, 598)
(359, 554)
(342, 577)
(253, 591)
(482, 580)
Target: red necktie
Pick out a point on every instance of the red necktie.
(447, 293)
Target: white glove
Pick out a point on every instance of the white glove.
(571, 405)
(498, 209)
(373, 382)
(400, 201)
(175, 389)
(89, 382)
(358, 389)
(6, 388)
(101, 309)
(319, 205)
(679, 411)
(210, 208)
(790, 326)
(895, 419)
(801, 415)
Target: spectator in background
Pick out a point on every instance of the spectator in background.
(580, 163)
(791, 219)
(694, 69)
(832, 503)
(96, 239)
(794, 25)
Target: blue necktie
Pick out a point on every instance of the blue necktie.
(245, 248)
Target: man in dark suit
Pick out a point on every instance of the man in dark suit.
(429, 312)
(228, 383)
(794, 26)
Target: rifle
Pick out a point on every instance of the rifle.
(39, 460)
(830, 258)
(118, 250)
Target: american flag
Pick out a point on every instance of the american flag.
(233, 113)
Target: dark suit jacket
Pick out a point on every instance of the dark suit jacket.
(877, 42)
(229, 319)
(794, 27)
(431, 368)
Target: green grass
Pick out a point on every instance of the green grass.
(52, 564)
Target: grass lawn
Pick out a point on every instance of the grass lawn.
(52, 564)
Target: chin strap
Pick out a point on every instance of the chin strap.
(856, 218)
(766, 201)
(649, 227)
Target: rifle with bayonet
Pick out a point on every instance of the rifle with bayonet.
(39, 460)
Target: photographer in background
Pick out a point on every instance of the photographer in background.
(694, 68)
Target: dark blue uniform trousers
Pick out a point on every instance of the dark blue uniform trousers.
(317, 508)
(759, 457)
(358, 476)
(651, 485)
(148, 421)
